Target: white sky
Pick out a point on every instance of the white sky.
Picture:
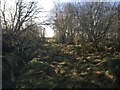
(47, 6)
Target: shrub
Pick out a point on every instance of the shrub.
(114, 68)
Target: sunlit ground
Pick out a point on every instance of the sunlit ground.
(63, 66)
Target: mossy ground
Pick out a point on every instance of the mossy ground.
(64, 66)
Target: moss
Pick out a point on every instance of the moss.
(37, 74)
(114, 66)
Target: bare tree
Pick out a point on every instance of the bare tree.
(65, 23)
(95, 20)
(86, 22)
(22, 13)
(14, 21)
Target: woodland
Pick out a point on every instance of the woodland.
(83, 53)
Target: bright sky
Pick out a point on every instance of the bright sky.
(48, 5)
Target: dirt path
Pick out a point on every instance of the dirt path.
(63, 66)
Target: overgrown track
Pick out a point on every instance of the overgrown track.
(61, 65)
